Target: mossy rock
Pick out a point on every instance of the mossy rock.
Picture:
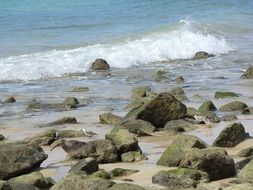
(234, 106)
(140, 92)
(246, 174)
(123, 140)
(248, 74)
(230, 136)
(126, 186)
(180, 125)
(202, 55)
(110, 119)
(99, 65)
(132, 156)
(228, 118)
(246, 152)
(178, 93)
(207, 106)
(179, 79)
(222, 95)
(180, 178)
(174, 153)
(80, 89)
(118, 172)
(101, 174)
(214, 161)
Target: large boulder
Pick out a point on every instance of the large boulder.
(36, 179)
(202, 55)
(110, 119)
(221, 95)
(138, 127)
(214, 161)
(17, 159)
(180, 178)
(161, 109)
(207, 106)
(248, 74)
(99, 65)
(85, 166)
(174, 153)
(125, 186)
(234, 106)
(246, 174)
(246, 152)
(103, 150)
(78, 182)
(230, 136)
(123, 140)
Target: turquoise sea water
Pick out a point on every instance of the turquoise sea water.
(50, 38)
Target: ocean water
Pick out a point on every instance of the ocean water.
(53, 38)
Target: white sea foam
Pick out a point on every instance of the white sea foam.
(181, 43)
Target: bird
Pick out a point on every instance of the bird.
(71, 146)
(204, 119)
(88, 133)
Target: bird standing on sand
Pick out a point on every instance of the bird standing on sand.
(88, 133)
(204, 119)
(70, 146)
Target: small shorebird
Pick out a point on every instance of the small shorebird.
(88, 133)
(70, 146)
(204, 119)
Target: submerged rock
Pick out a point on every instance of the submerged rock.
(71, 101)
(140, 92)
(207, 106)
(11, 99)
(161, 109)
(234, 106)
(221, 95)
(246, 174)
(110, 119)
(248, 74)
(80, 89)
(179, 79)
(180, 178)
(246, 152)
(202, 55)
(118, 172)
(214, 161)
(174, 153)
(17, 159)
(103, 150)
(100, 65)
(230, 136)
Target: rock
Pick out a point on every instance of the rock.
(246, 174)
(132, 156)
(79, 182)
(17, 159)
(70, 133)
(65, 120)
(240, 164)
(126, 186)
(99, 65)
(123, 140)
(174, 153)
(43, 141)
(80, 89)
(10, 100)
(118, 172)
(179, 79)
(245, 186)
(138, 127)
(4, 185)
(178, 93)
(234, 106)
(246, 152)
(140, 92)
(207, 106)
(85, 166)
(211, 116)
(180, 178)
(248, 74)
(230, 136)
(228, 118)
(101, 174)
(36, 179)
(161, 109)
(214, 161)
(1, 137)
(110, 119)
(104, 151)
(221, 95)
(202, 55)
(180, 125)
(71, 102)
(214, 185)
(20, 186)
